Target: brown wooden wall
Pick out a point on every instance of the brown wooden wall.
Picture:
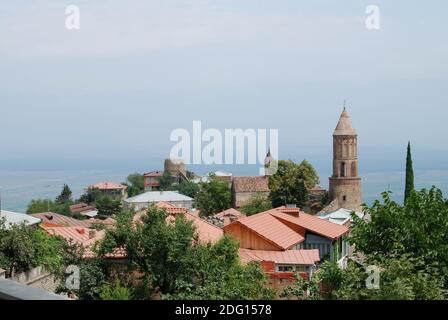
(249, 239)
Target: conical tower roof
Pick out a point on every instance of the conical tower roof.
(344, 126)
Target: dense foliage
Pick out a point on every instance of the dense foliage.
(108, 206)
(23, 248)
(188, 188)
(135, 183)
(258, 203)
(173, 264)
(214, 196)
(290, 184)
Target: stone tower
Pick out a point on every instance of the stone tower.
(345, 184)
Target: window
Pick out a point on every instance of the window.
(343, 172)
(344, 198)
(291, 268)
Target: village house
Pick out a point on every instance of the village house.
(244, 188)
(282, 266)
(112, 189)
(151, 180)
(285, 228)
(143, 201)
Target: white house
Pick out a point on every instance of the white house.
(144, 200)
(13, 218)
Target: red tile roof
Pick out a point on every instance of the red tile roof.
(206, 231)
(311, 223)
(272, 225)
(61, 220)
(108, 186)
(271, 229)
(295, 257)
(170, 208)
(250, 184)
(85, 237)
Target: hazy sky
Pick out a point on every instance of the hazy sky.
(112, 92)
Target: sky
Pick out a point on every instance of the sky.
(110, 93)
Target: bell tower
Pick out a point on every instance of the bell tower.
(345, 184)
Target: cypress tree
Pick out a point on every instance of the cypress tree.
(409, 174)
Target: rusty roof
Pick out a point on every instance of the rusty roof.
(61, 220)
(250, 184)
(295, 257)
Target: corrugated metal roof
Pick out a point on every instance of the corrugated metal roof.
(158, 196)
(13, 218)
(295, 257)
(61, 219)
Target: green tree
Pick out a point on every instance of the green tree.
(65, 196)
(418, 227)
(115, 291)
(188, 188)
(39, 206)
(23, 248)
(108, 206)
(215, 273)
(409, 174)
(91, 195)
(92, 272)
(136, 184)
(257, 203)
(302, 289)
(165, 181)
(214, 196)
(173, 263)
(291, 182)
(402, 277)
(156, 249)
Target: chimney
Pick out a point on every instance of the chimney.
(291, 209)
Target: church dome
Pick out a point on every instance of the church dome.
(344, 126)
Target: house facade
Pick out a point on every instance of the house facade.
(283, 229)
(244, 188)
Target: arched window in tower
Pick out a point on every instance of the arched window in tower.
(343, 172)
(354, 171)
